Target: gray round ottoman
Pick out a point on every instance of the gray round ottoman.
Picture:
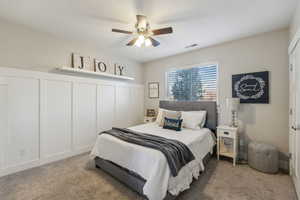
(263, 157)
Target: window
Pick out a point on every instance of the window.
(197, 83)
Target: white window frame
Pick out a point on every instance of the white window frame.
(189, 67)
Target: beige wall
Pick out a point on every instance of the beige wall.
(25, 48)
(22, 47)
(267, 123)
(295, 24)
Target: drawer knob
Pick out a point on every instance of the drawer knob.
(226, 133)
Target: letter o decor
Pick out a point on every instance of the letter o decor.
(101, 66)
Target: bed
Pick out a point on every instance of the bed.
(145, 170)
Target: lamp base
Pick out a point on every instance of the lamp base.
(234, 121)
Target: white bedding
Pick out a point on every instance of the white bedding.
(151, 164)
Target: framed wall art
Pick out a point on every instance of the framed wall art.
(153, 90)
(251, 87)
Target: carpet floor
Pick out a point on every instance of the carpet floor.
(76, 179)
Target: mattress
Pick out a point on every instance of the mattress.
(151, 164)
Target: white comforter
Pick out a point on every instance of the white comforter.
(151, 164)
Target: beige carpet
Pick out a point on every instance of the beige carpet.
(74, 179)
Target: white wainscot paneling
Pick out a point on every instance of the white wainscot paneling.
(106, 107)
(84, 116)
(56, 116)
(3, 121)
(22, 146)
(123, 107)
(136, 105)
(46, 117)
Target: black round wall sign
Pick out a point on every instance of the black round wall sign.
(101, 66)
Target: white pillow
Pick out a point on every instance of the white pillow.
(193, 119)
(159, 117)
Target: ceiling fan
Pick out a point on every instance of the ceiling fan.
(144, 33)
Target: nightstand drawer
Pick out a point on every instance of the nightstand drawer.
(226, 133)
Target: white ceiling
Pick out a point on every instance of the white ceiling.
(205, 22)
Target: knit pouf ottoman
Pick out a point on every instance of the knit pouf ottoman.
(263, 157)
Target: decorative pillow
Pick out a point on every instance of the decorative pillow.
(162, 113)
(169, 114)
(194, 119)
(159, 117)
(173, 124)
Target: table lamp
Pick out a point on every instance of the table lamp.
(233, 106)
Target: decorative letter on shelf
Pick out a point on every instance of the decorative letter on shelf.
(99, 65)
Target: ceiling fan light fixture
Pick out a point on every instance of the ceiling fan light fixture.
(140, 41)
(148, 42)
(144, 33)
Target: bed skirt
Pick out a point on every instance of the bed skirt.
(129, 178)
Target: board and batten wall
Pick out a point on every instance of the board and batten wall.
(47, 117)
(25, 48)
(265, 52)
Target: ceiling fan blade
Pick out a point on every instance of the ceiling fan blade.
(121, 31)
(154, 42)
(132, 42)
(162, 31)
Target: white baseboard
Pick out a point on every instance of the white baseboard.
(37, 163)
(297, 186)
(21, 167)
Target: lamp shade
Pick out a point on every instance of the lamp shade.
(233, 104)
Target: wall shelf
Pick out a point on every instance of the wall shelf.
(101, 74)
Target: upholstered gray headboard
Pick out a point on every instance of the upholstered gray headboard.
(209, 106)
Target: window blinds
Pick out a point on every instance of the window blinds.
(197, 83)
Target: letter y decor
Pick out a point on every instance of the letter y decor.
(119, 69)
(251, 87)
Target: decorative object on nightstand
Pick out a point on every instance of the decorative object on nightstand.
(149, 119)
(150, 113)
(227, 142)
(233, 106)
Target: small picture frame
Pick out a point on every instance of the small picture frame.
(153, 90)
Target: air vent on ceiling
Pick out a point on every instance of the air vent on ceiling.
(191, 46)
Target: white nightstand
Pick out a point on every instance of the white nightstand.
(149, 119)
(227, 142)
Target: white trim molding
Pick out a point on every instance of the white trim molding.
(294, 42)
